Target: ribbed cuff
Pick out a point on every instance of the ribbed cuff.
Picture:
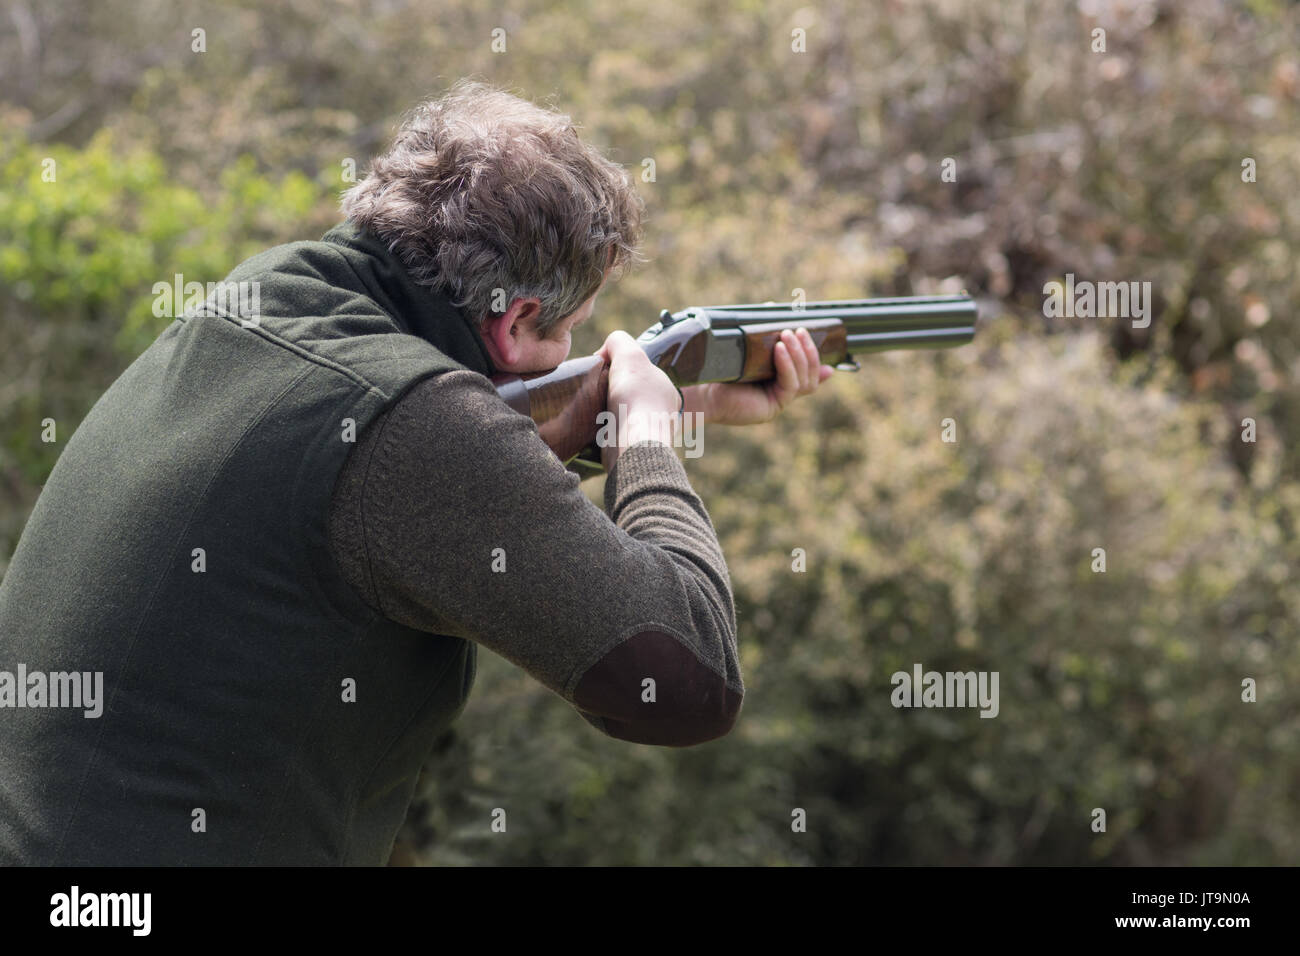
(645, 466)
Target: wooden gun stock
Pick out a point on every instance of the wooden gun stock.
(564, 402)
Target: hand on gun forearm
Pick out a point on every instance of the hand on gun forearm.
(642, 398)
(798, 372)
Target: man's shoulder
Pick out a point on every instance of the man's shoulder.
(300, 276)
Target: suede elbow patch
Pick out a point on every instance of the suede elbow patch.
(653, 689)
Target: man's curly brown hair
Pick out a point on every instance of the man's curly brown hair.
(488, 198)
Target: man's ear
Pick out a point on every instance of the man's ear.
(504, 334)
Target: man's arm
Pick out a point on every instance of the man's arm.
(591, 605)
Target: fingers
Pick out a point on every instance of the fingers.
(787, 376)
(804, 360)
(813, 357)
(634, 380)
(799, 369)
(616, 342)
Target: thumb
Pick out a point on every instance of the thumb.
(616, 342)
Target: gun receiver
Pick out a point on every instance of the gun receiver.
(734, 343)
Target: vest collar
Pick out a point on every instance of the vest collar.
(419, 310)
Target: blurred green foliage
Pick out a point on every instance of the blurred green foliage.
(773, 171)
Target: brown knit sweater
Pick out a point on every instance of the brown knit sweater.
(453, 517)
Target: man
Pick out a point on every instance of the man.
(278, 542)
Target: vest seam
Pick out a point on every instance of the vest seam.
(216, 311)
(361, 515)
(318, 591)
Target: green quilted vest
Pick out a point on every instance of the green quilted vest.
(254, 710)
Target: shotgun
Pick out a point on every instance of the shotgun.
(730, 343)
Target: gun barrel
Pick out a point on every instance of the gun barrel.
(870, 324)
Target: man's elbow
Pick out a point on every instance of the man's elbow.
(674, 730)
(653, 689)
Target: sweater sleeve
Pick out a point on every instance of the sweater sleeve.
(452, 516)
